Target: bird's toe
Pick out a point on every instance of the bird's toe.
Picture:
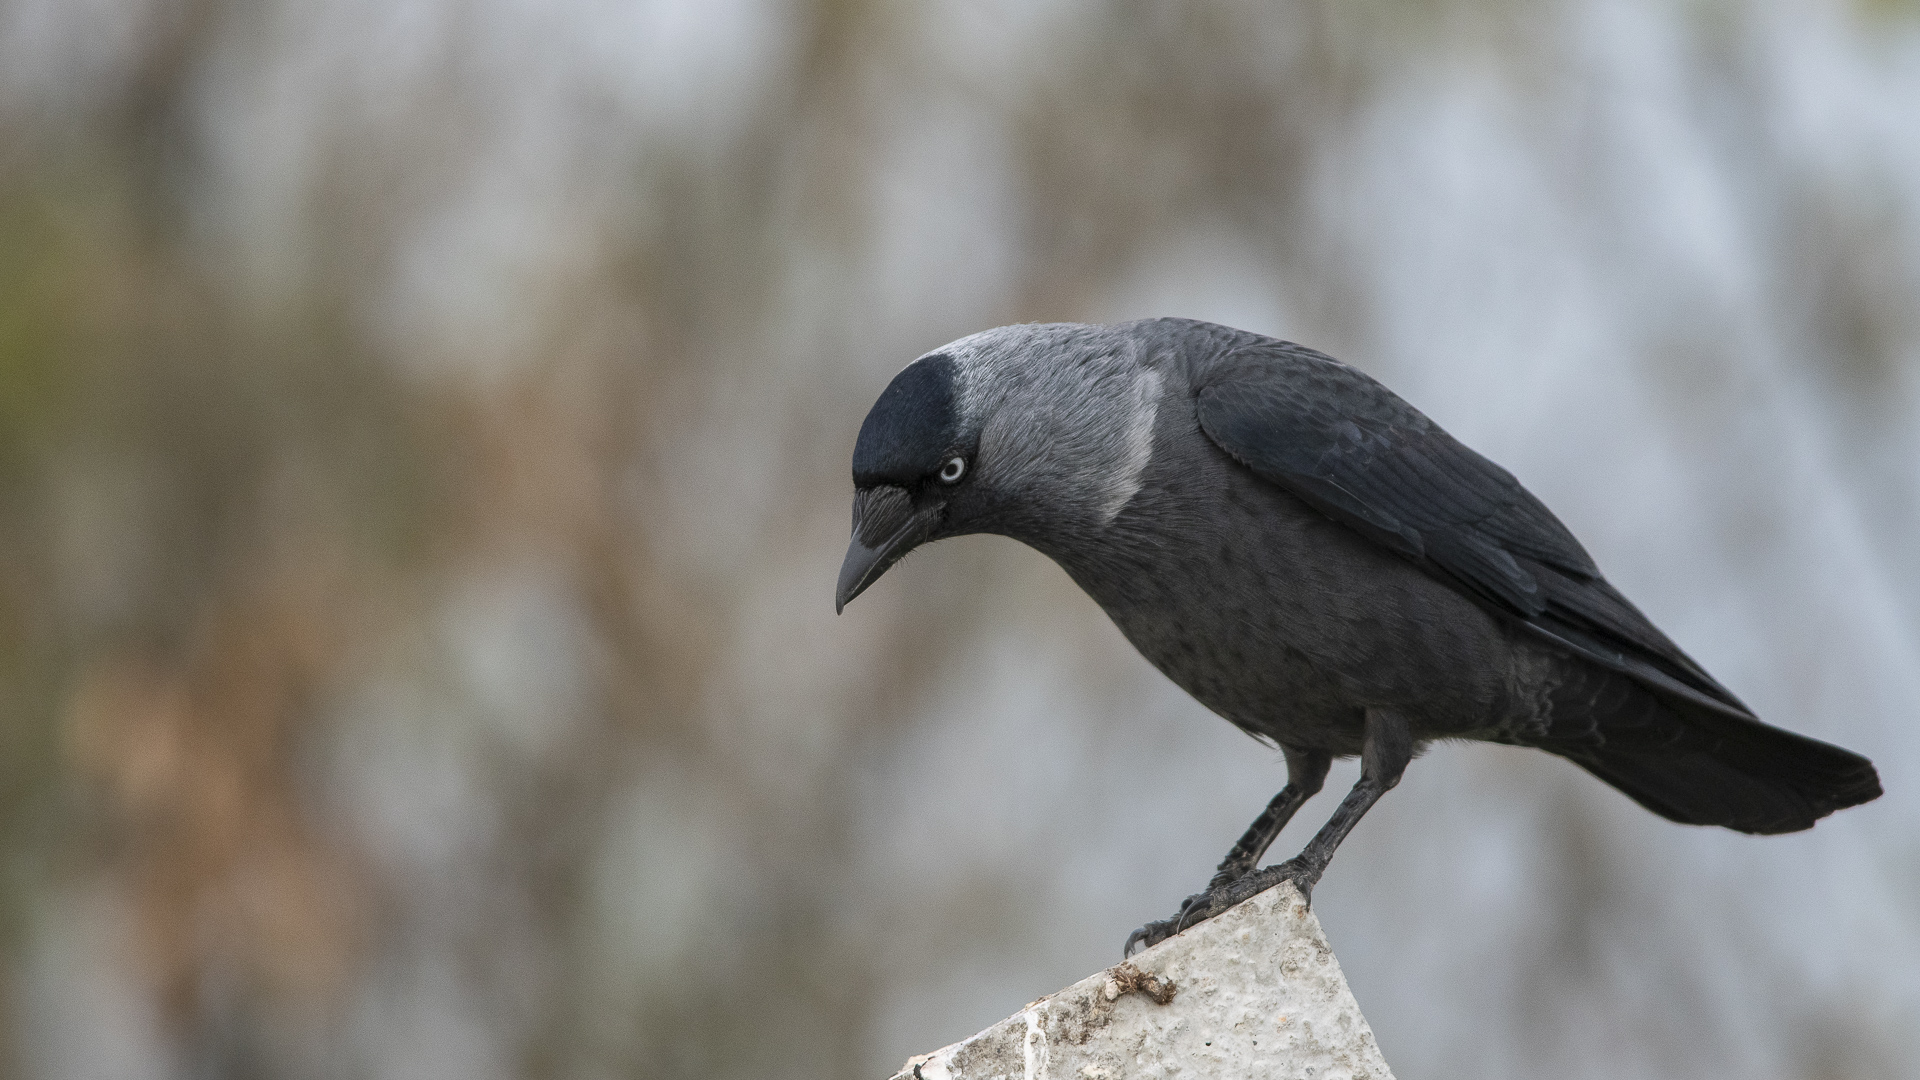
(1197, 908)
(1146, 938)
(1202, 906)
(1302, 876)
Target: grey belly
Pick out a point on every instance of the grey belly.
(1291, 626)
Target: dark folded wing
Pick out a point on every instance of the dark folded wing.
(1356, 452)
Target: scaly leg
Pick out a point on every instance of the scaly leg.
(1386, 748)
(1306, 772)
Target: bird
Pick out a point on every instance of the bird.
(1313, 559)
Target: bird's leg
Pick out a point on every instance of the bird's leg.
(1386, 748)
(1384, 754)
(1306, 772)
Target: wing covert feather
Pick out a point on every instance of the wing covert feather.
(1361, 455)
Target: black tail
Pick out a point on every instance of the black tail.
(1700, 767)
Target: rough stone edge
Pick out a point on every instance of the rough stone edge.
(1087, 1008)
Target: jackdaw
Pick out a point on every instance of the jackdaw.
(1312, 558)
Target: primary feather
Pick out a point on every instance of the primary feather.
(1679, 743)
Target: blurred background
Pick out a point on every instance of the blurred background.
(424, 430)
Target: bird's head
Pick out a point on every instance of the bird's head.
(1038, 432)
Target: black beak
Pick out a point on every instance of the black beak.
(885, 527)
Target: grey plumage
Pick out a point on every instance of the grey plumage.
(1313, 559)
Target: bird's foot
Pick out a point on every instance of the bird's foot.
(1202, 906)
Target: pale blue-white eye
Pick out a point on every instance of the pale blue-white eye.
(953, 470)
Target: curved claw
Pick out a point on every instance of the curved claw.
(1150, 935)
(1202, 906)
(1156, 932)
(1190, 909)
